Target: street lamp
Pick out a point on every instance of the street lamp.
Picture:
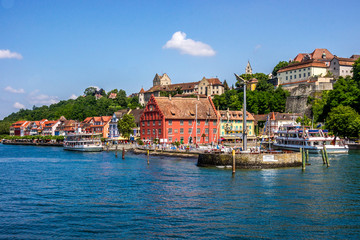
(244, 114)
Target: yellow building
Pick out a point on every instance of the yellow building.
(231, 125)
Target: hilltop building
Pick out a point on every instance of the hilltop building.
(342, 67)
(162, 84)
(168, 120)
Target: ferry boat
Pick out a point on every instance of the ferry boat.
(83, 142)
(294, 137)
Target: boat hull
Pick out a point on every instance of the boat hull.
(84, 149)
(313, 150)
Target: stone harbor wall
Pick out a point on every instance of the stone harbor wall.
(251, 161)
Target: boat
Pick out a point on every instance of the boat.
(83, 142)
(294, 137)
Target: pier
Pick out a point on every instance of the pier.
(252, 160)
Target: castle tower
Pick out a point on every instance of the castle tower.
(248, 69)
(161, 80)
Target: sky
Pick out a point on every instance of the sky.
(53, 50)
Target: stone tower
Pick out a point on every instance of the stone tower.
(248, 69)
(161, 80)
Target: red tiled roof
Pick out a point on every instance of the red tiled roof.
(142, 90)
(174, 108)
(214, 81)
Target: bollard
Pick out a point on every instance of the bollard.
(323, 156)
(148, 153)
(303, 159)
(123, 153)
(307, 156)
(326, 157)
(233, 165)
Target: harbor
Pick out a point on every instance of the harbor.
(172, 198)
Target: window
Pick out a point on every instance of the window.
(304, 75)
(153, 131)
(170, 122)
(181, 122)
(300, 75)
(175, 131)
(206, 131)
(308, 74)
(143, 131)
(170, 139)
(206, 139)
(214, 130)
(148, 123)
(214, 122)
(170, 130)
(308, 68)
(198, 123)
(198, 130)
(286, 77)
(299, 70)
(159, 131)
(190, 122)
(290, 77)
(295, 71)
(159, 123)
(148, 131)
(154, 123)
(190, 130)
(295, 76)
(181, 131)
(143, 124)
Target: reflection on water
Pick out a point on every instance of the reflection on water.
(50, 193)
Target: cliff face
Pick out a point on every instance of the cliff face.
(297, 101)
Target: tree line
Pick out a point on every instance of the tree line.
(76, 109)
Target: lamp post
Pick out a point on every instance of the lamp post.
(244, 114)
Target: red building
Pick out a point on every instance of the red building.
(186, 120)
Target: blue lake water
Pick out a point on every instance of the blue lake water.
(49, 193)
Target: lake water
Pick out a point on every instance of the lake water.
(49, 193)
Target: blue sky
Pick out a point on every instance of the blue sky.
(54, 50)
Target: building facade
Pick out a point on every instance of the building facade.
(206, 86)
(176, 119)
(342, 67)
(231, 125)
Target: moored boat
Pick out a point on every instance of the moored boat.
(294, 137)
(83, 142)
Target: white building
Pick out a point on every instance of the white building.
(297, 73)
(342, 67)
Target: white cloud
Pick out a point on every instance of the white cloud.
(7, 54)
(13, 90)
(189, 46)
(42, 99)
(19, 105)
(257, 47)
(73, 96)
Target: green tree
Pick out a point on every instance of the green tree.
(90, 91)
(304, 121)
(281, 64)
(126, 125)
(356, 71)
(226, 86)
(344, 121)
